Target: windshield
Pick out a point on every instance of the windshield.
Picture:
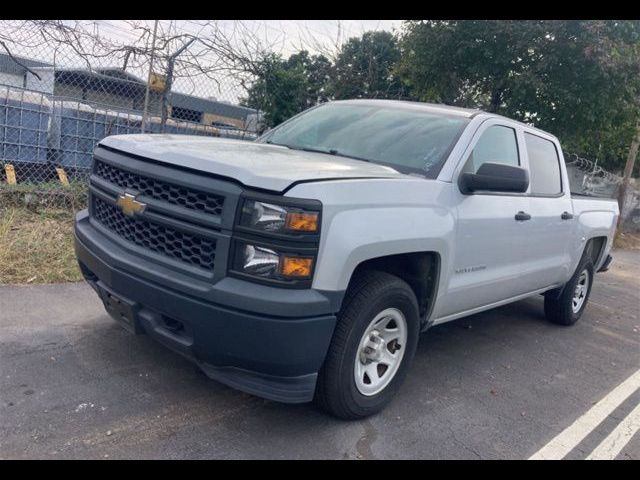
(411, 141)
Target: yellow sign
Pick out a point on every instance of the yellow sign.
(129, 205)
(157, 82)
(11, 174)
(62, 176)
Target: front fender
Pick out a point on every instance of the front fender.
(358, 235)
(371, 218)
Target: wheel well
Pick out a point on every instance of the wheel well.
(595, 247)
(419, 269)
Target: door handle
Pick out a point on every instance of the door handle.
(522, 216)
(566, 216)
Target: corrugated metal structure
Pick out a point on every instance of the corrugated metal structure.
(24, 125)
(113, 88)
(57, 115)
(76, 128)
(36, 129)
(208, 111)
(13, 70)
(109, 87)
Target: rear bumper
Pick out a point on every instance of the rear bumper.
(264, 353)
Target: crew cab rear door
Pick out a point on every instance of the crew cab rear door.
(551, 229)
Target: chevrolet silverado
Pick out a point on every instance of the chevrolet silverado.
(305, 264)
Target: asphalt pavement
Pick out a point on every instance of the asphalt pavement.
(500, 384)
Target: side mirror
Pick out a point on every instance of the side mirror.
(495, 177)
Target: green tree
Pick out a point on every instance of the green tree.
(283, 88)
(318, 70)
(577, 79)
(365, 68)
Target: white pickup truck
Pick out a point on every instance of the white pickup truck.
(305, 264)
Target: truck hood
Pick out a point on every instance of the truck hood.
(270, 167)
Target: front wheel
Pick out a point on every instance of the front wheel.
(373, 344)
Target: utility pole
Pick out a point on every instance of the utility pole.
(145, 113)
(167, 89)
(628, 170)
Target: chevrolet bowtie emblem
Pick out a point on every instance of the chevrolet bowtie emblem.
(129, 205)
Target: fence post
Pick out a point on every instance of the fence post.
(145, 113)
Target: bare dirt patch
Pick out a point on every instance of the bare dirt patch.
(627, 241)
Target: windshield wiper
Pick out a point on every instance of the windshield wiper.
(331, 151)
(271, 142)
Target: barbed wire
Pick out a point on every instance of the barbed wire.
(591, 167)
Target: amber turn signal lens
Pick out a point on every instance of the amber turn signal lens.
(302, 221)
(296, 266)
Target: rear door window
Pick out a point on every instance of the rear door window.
(544, 165)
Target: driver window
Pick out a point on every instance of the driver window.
(497, 144)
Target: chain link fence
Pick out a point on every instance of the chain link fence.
(64, 86)
(586, 177)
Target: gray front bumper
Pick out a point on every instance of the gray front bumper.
(256, 338)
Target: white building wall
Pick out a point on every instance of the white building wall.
(11, 79)
(46, 82)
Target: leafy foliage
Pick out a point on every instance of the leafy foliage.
(577, 79)
(286, 87)
(364, 68)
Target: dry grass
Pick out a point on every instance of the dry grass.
(37, 246)
(47, 195)
(627, 241)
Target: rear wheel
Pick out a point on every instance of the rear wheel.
(568, 307)
(373, 344)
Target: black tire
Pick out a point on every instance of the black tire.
(559, 308)
(370, 293)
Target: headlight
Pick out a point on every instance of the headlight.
(275, 240)
(259, 261)
(272, 218)
(268, 263)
